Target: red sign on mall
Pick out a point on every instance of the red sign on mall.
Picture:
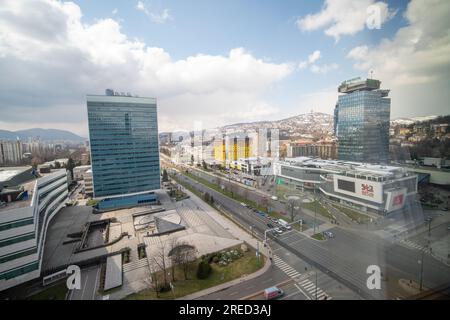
(367, 190)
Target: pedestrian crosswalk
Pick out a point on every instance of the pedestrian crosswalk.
(301, 280)
(414, 245)
(314, 291)
(291, 272)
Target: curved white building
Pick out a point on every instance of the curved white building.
(23, 227)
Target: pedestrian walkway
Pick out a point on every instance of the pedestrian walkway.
(287, 269)
(311, 288)
(414, 245)
(136, 264)
(302, 280)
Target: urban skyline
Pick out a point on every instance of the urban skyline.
(314, 47)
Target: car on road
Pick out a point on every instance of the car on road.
(262, 214)
(272, 293)
(243, 204)
(444, 209)
(278, 230)
(448, 227)
(275, 198)
(328, 234)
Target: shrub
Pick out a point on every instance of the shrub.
(203, 270)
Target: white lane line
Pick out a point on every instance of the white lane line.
(95, 284)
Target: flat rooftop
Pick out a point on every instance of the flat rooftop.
(357, 168)
(6, 173)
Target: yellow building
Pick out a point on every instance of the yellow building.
(237, 148)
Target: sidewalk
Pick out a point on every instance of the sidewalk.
(238, 233)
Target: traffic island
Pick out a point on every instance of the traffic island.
(318, 236)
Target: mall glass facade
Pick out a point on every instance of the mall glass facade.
(363, 126)
(123, 134)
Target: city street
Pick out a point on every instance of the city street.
(337, 256)
(89, 285)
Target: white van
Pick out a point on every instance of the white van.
(284, 223)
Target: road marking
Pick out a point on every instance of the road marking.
(299, 289)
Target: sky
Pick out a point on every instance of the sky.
(217, 62)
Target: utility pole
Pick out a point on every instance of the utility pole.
(316, 283)
(421, 272)
(315, 210)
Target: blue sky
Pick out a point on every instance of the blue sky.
(188, 54)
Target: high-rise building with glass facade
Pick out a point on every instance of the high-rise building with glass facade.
(362, 118)
(123, 132)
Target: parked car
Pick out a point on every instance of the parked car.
(243, 204)
(444, 209)
(274, 198)
(270, 225)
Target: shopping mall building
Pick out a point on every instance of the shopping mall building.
(374, 188)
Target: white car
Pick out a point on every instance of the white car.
(278, 230)
(274, 198)
(243, 204)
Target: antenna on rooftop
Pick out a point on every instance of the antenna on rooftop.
(371, 74)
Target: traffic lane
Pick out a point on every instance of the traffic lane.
(89, 284)
(270, 278)
(229, 204)
(397, 259)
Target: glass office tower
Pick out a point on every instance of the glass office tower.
(123, 134)
(362, 115)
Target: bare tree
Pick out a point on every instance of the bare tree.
(159, 259)
(293, 206)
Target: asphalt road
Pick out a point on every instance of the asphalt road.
(89, 284)
(347, 256)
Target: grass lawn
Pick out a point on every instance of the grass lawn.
(56, 292)
(354, 215)
(227, 193)
(247, 264)
(91, 202)
(320, 209)
(318, 236)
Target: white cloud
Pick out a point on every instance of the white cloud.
(313, 57)
(157, 17)
(323, 69)
(343, 17)
(416, 61)
(50, 60)
(315, 68)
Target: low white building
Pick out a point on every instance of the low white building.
(376, 188)
(79, 172)
(23, 227)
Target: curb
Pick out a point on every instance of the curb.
(226, 285)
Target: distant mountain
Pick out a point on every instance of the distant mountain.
(408, 121)
(313, 122)
(42, 134)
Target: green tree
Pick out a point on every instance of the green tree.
(70, 165)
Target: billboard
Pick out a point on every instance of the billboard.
(359, 188)
(395, 199)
